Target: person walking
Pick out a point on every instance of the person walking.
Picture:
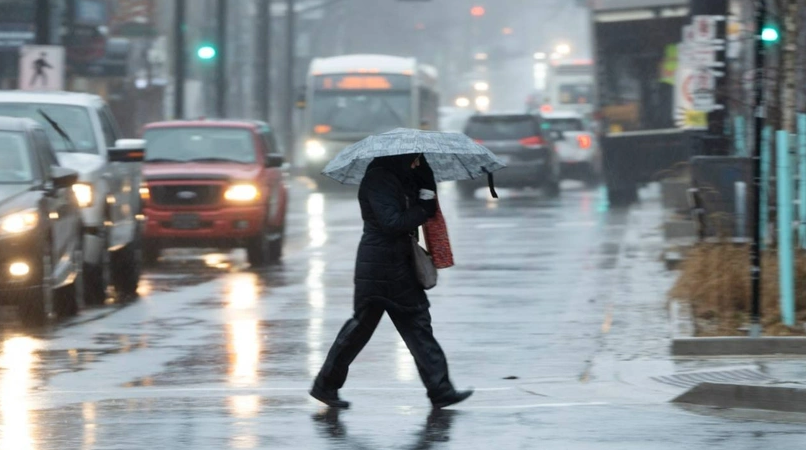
(396, 196)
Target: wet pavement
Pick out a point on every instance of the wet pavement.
(555, 312)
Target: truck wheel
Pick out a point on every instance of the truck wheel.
(126, 266)
(259, 248)
(31, 310)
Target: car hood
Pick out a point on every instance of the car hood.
(186, 171)
(84, 163)
(12, 195)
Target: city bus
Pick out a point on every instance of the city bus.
(354, 96)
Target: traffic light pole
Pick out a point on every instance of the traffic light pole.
(291, 56)
(263, 58)
(179, 59)
(42, 18)
(221, 62)
(760, 104)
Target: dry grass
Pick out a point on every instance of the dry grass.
(715, 279)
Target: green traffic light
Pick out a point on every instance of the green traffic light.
(206, 52)
(770, 34)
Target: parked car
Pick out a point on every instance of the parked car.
(85, 137)
(580, 154)
(214, 184)
(527, 149)
(41, 254)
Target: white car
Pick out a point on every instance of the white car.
(577, 145)
(86, 138)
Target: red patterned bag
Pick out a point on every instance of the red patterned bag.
(435, 232)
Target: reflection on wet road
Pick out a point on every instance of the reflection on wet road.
(554, 313)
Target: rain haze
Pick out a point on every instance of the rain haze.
(402, 224)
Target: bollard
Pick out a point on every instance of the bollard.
(739, 136)
(766, 138)
(802, 179)
(786, 258)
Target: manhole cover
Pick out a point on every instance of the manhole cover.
(738, 375)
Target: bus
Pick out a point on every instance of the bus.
(351, 97)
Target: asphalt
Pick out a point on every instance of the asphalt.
(555, 313)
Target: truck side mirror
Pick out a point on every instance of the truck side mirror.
(127, 150)
(274, 160)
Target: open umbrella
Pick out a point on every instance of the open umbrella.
(452, 156)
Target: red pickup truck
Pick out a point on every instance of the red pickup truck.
(213, 184)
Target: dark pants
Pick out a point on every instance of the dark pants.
(414, 328)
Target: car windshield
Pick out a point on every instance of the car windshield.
(576, 94)
(351, 112)
(74, 120)
(200, 144)
(15, 160)
(567, 124)
(501, 128)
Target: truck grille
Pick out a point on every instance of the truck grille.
(186, 195)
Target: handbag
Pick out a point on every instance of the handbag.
(423, 265)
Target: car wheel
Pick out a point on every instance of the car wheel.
(96, 277)
(276, 246)
(151, 254)
(258, 249)
(33, 310)
(126, 266)
(68, 299)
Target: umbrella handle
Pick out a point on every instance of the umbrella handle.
(490, 182)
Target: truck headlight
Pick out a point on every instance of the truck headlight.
(19, 222)
(84, 194)
(315, 150)
(242, 193)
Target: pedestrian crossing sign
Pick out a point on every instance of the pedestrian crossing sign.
(41, 68)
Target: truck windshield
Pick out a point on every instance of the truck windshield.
(200, 144)
(15, 161)
(74, 120)
(354, 112)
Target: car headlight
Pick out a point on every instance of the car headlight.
(84, 194)
(19, 222)
(315, 150)
(242, 193)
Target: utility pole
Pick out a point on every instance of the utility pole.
(291, 56)
(263, 58)
(42, 18)
(180, 72)
(221, 62)
(761, 113)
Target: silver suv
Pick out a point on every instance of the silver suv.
(86, 138)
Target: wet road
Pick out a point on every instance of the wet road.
(555, 313)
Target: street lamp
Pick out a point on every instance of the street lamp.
(481, 86)
(477, 11)
(540, 56)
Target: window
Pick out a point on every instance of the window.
(74, 120)
(200, 144)
(110, 134)
(15, 160)
(44, 151)
(501, 128)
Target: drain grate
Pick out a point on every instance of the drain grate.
(691, 379)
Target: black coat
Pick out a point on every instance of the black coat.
(384, 272)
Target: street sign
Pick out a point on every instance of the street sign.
(41, 68)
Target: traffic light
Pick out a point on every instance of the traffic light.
(770, 34)
(477, 11)
(206, 52)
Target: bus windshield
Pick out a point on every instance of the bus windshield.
(361, 112)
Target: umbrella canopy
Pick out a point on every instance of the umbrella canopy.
(452, 156)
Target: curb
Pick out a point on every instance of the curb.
(769, 398)
(738, 346)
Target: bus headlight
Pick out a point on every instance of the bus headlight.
(83, 194)
(462, 102)
(315, 150)
(242, 193)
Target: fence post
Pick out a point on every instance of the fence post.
(786, 259)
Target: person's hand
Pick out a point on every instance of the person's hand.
(430, 207)
(425, 175)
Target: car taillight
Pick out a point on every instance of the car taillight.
(478, 141)
(584, 141)
(531, 142)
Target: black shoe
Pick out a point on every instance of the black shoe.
(451, 398)
(328, 397)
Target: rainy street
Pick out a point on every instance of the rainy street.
(555, 313)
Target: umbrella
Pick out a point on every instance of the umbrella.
(452, 156)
